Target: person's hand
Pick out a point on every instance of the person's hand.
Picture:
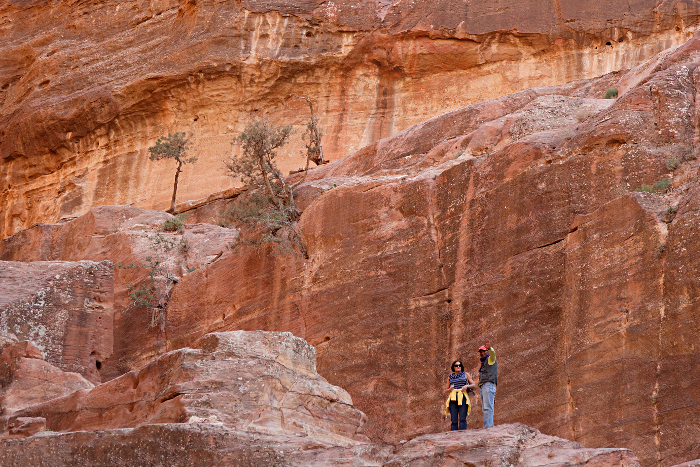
(487, 343)
(452, 386)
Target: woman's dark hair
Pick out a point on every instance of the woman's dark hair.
(460, 362)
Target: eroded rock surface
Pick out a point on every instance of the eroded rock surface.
(127, 237)
(85, 88)
(249, 381)
(204, 444)
(28, 380)
(62, 308)
(514, 219)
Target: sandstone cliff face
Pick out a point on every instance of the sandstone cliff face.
(512, 218)
(65, 309)
(127, 237)
(86, 88)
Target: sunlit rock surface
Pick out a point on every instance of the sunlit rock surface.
(86, 88)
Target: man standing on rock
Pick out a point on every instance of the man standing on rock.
(488, 378)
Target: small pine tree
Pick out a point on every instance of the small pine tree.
(173, 146)
(256, 166)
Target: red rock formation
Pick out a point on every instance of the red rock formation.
(202, 444)
(506, 219)
(124, 235)
(85, 88)
(249, 381)
(511, 219)
(25, 426)
(28, 380)
(63, 308)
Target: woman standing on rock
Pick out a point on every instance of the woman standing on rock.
(458, 403)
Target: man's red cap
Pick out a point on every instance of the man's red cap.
(483, 347)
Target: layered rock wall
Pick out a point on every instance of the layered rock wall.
(86, 88)
(134, 241)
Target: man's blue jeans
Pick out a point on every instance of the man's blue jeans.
(488, 395)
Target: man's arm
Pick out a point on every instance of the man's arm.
(492, 353)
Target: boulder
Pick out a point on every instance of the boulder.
(28, 380)
(248, 381)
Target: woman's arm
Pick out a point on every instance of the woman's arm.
(449, 387)
(471, 384)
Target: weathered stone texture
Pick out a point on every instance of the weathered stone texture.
(125, 236)
(24, 426)
(63, 308)
(81, 103)
(249, 381)
(26, 380)
(204, 444)
(512, 219)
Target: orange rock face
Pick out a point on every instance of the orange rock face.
(514, 219)
(86, 88)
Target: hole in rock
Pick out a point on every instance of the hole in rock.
(6, 85)
(95, 358)
(449, 300)
(608, 43)
(196, 118)
(619, 40)
(43, 84)
(309, 34)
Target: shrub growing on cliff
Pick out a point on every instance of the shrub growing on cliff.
(152, 292)
(173, 146)
(256, 167)
(611, 93)
(269, 210)
(658, 188)
(175, 224)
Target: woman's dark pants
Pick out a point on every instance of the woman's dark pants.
(458, 413)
